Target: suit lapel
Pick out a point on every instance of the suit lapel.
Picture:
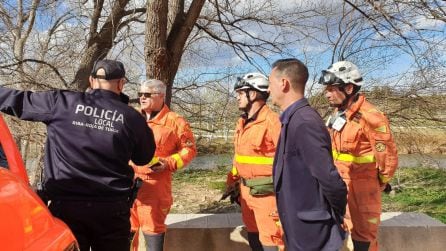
(279, 163)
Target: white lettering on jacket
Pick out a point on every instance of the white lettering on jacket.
(99, 113)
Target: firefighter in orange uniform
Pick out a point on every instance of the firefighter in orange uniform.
(175, 148)
(363, 150)
(255, 142)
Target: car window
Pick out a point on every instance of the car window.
(3, 161)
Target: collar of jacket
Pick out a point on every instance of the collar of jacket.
(260, 117)
(253, 117)
(288, 113)
(161, 117)
(354, 107)
(104, 93)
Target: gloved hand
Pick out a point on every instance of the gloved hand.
(233, 192)
(386, 188)
(232, 189)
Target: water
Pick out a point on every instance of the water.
(422, 160)
(211, 161)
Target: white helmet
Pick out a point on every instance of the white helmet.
(341, 73)
(254, 80)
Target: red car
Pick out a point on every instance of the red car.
(25, 221)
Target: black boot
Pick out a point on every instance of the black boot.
(154, 242)
(254, 241)
(132, 235)
(270, 248)
(361, 245)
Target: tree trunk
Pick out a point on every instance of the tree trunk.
(163, 50)
(99, 42)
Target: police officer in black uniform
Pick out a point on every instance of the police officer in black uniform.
(91, 138)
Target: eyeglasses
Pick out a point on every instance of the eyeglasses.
(147, 94)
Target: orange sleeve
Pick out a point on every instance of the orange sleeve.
(274, 129)
(378, 132)
(186, 145)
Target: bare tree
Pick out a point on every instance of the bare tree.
(163, 46)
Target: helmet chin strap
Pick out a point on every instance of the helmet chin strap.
(347, 98)
(249, 105)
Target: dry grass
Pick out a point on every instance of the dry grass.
(420, 140)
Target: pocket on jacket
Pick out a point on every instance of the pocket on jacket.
(314, 215)
(351, 136)
(256, 137)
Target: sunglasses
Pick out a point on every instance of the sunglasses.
(147, 94)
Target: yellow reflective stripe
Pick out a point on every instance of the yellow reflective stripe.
(373, 220)
(178, 159)
(37, 210)
(383, 178)
(382, 129)
(28, 226)
(153, 161)
(28, 229)
(355, 159)
(254, 160)
(234, 171)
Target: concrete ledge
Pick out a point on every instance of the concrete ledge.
(220, 232)
(411, 232)
(206, 232)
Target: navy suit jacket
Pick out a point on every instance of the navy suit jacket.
(311, 196)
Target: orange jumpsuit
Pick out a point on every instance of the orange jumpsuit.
(255, 145)
(174, 143)
(366, 158)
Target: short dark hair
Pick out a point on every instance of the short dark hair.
(294, 69)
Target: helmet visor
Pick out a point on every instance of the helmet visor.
(241, 84)
(329, 78)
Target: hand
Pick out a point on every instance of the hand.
(233, 192)
(160, 166)
(386, 188)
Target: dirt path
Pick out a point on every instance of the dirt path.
(198, 197)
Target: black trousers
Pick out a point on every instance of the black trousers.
(96, 225)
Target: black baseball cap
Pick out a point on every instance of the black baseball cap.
(113, 69)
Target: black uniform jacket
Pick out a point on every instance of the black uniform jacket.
(91, 138)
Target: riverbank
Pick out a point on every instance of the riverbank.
(408, 139)
(213, 161)
(415, 190)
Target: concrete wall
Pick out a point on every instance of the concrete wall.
(222, 232)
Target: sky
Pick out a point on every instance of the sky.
(211, 57)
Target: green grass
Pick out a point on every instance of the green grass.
(414, 189)
(214, 179)
(418, 190)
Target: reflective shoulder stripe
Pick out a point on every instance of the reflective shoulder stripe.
(355, 159)
(177, 157)
(258, 160)
(234, 171)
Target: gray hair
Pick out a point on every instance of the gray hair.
(154, 84)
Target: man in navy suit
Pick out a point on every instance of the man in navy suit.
(311, 196)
